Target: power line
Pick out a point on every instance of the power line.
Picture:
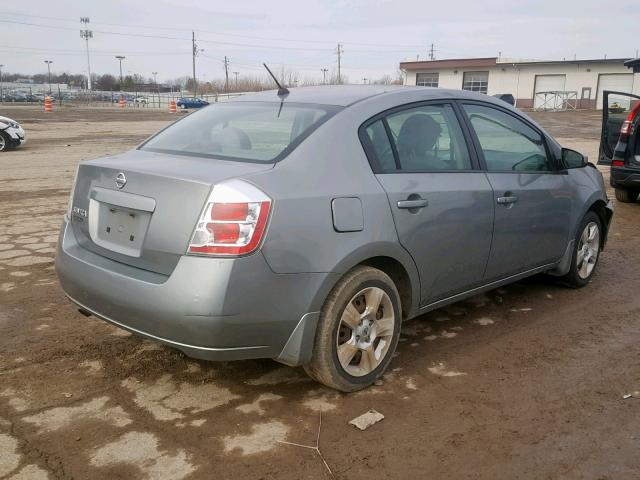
(208, 41)
(228, 34)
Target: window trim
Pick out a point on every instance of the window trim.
(556, 168)
(372, 157)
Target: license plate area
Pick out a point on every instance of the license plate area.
(117, 228)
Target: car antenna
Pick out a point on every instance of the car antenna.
(282, 91)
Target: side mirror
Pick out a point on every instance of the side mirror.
(573, 159)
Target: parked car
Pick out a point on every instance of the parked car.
(620, 143)
(506, 97)
(305, 227)
(191, 103)
(141, 100)
(11, 134)
(16, 96)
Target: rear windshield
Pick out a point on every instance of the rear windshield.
(246, 131)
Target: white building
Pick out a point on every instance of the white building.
(583, 80)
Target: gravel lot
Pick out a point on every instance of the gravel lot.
(523, 382)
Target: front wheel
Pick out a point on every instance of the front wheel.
(4, 142)
(586, 251)
(357, 332)
(626, 195)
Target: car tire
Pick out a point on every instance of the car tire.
(586, 251)
(626, 195)
(5, 142)
(353, 344)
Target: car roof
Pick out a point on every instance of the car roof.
(345, 95)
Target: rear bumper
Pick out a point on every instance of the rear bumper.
(625, 177)
(209, 308)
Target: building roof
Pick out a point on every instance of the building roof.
(449, 63)
(634, 64)
(493, 61)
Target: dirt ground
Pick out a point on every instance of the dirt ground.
(524, 382)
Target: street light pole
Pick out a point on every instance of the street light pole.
(49, 62)
(120, 58)
(1, 96)
(87, 34)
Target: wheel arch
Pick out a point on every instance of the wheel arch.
(599, 207)
(388, 257)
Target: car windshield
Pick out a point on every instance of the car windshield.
(247, 131)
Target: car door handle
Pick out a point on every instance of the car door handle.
(418, 203)
(507, 200)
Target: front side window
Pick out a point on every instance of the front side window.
(508, 144)
(427, 79)
(245, 131)
(475, 81)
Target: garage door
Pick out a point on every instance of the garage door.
(618, 82)
(547, 83)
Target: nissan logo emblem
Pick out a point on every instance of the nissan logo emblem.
(121, 180)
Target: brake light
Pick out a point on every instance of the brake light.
(625, 129)
(233, 222)
(617, 163)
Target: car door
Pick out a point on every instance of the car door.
(442, 204)
(532, 197)
(616, 108)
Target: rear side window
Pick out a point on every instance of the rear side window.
(508, 144)
(421, 139)
(244, 131)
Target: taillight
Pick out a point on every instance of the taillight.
(617, 163)
(625, 129)
(233, 222)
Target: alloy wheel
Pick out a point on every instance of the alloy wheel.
(365, 331)
(588, 250)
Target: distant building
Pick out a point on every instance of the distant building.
(583, 80)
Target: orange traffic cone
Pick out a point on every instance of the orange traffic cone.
(172, 106)
(48, 104)
(121, 102)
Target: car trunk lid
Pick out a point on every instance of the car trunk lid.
(140, 208)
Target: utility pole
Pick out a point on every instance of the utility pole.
(432, 52)
(195, 54)
(236, 75)
(324, 75)
(49, 62)
(87, 34)
(226, 74)
(1, 96)
(120, 58)
(339, 51)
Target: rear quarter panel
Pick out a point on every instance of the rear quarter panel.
(301, 236)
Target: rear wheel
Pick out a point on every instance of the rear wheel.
(626, 195)
(357, 332)
(586, 251)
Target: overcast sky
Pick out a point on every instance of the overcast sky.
(376, 34)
